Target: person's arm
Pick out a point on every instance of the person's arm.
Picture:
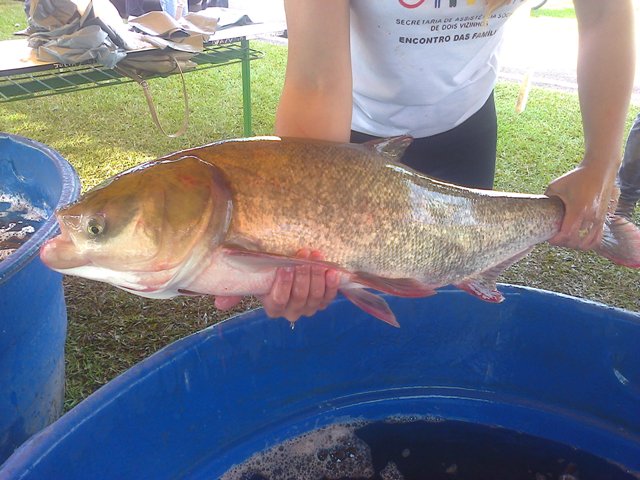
(315, 103)
(316, 99)
(605, 79)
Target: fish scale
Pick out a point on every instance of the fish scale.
(348, 204)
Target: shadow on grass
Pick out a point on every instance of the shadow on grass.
(111, 330)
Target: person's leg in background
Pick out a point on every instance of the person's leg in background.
(27, 11)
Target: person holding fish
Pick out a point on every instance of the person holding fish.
(360, 70)
(294, 220)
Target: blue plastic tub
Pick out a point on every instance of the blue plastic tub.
(32, 309)
(555, 371)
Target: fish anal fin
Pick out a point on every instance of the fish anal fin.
(401, 287)
(481, 288)
(392, 148)
(483, 285)
(371, 303)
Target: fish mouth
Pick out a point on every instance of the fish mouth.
(59, 253)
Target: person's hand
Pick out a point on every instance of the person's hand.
(586, 192)
(302, 290)
(296, 291)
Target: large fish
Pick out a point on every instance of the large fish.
(219, 220)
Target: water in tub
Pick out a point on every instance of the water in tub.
(423, 447)
(18, 222)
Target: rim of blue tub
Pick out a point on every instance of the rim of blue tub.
(70, 190)
(42, 443)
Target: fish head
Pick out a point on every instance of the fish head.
(141, 228)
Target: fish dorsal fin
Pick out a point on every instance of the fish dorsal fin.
(483, 285)
(392, 148)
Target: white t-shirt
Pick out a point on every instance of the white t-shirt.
(422, 67)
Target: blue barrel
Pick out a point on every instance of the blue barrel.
(33, 317)
(540, 369)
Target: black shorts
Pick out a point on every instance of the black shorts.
(464, 155)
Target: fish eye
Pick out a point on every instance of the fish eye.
(95, 226)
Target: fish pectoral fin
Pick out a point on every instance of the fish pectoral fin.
(400, 287)
(190, 293)
(483, 285)
(251, 260)
(371, 303)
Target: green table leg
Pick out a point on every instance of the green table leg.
(246, 87)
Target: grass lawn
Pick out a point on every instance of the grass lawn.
(104, 131)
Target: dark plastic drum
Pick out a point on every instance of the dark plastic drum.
(33, 317)
(554, 375)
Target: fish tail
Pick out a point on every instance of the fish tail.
(620, 241)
